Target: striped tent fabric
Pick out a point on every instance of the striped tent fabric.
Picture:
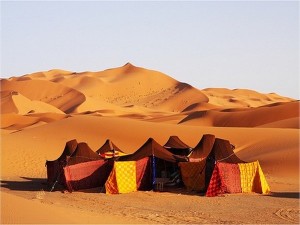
(237, 178)
(193, 175)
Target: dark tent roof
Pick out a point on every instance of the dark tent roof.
(219, 149)
(203, 148)
(68, 150)
(149, 148)
(108, 146)
(223, 152)
(83, 153)
(175, 142)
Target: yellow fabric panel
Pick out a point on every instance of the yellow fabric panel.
(193, 175)
(126, 176)
(248, 171)
(262, 183)
(111, 185)
(253, 178)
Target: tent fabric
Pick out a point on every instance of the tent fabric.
(111, 185)
(109, 150)
(225, 179)
(193, 175)
(143, 174)
(230, 177)
(122, 179)
(82, 153)
(215, 185)
(175, 142)
(152, 148)
(176, 146)
(55, 167)
(216, 148)
(253, 178)
(223, 152)
(86, 175)
(203, 148)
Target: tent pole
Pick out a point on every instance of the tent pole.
(53, 186)
(153, 172)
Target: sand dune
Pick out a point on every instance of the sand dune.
(241, 97)
(63, 98)
(14, 102)
(247, 118)
(40, 112)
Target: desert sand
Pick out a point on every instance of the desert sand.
(40, 112)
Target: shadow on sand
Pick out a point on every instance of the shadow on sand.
(285, 195)
(27, 184)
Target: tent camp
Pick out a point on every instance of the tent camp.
(176, 146)
(55, 167)
(211, 167)
(237, 178)
(109, 150)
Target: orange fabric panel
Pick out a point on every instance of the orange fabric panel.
(193, 175)
(111, 185)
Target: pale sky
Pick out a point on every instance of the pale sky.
(235, 44)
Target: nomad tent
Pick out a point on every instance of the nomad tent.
(176, 146)
(55, 167)
(109, 150)
(197, 173)
(59, 171)
(150, 161)
(85, 169)
(237, 178)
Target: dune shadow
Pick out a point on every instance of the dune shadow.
(27, 184)
(285, 195)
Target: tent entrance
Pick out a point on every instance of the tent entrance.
(166, 175)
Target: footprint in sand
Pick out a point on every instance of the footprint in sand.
(291, 215)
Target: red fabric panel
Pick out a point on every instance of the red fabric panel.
(215, 186)
(86, 175)
(230, 177)
(143, 174)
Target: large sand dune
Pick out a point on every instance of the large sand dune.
(40, 112)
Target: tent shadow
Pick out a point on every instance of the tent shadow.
(181, 191)
(27, 184)
(295, 195)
